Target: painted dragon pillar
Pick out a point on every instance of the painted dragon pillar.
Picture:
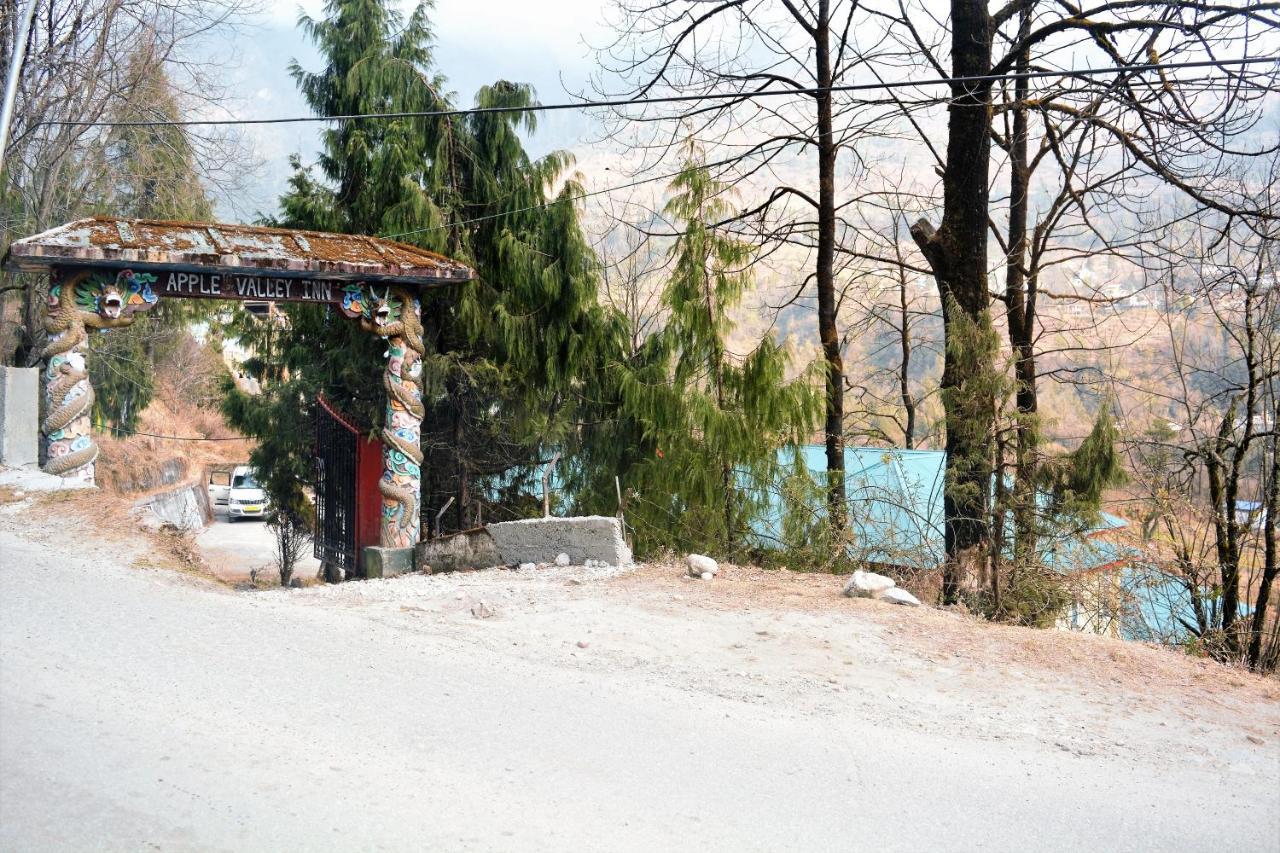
(395, 315)
(78, 302)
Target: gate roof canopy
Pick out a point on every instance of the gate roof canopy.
(146, 244)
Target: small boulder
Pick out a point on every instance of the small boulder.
(899, 596)
(867, 584)
(706, 576)
(562, 559)
(700, 565)
(528, 567)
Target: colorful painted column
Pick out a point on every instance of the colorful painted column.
(79, 301)
(394, 314)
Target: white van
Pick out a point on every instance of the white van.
(245, 499)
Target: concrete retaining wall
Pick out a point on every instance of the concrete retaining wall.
(132, 475)
(185, 508)
(541, 540)
(470, 549)
(19, 416)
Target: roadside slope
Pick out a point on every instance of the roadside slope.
(142, 707)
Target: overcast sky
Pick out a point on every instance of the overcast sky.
(541, 42)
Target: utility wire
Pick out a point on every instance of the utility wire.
(672, 99)
(670, 175)
(120, 433)
(542, 204)
(615, 188)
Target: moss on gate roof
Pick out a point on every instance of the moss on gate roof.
(246, 248)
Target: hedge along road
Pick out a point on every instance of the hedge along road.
(140, 709)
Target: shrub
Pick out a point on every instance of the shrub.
(1032, 596)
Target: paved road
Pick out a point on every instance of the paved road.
(141, 711)
(233, 548)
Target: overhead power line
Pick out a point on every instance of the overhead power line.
(673, 99)
(540, 205)
(122, 433)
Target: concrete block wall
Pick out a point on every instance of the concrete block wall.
(540, 540)
(19, 417)
(470, 549)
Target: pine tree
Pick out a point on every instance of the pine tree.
(505, 353)
(712, 423)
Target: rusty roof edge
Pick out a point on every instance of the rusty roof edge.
(49, 256)
(254, 229)
(32, 252)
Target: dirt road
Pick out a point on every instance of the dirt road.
(144, 709)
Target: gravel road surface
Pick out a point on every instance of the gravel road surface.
(143, 709)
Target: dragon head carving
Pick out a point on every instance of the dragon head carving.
(380, 313)
(109, 300)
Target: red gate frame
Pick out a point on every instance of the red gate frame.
(368, 474)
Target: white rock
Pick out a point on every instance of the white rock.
(528, 567)
(562, 559)
(867, 584)
(706, 576)
(899, 596)
(700, 565)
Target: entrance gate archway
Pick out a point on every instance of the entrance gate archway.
(103, 271)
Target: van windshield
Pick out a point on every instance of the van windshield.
(244, 481)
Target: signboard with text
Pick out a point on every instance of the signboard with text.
(235, 285)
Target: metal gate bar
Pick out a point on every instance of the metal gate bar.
(335, 460)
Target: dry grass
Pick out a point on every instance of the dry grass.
(184, 412)
(57, 517)
(143, 463)
(972, 642)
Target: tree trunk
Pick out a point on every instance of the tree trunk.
(957, 253)
(904, 370)
(828, 329)
(1021, 319)
(1223, 480)
(1270, 508)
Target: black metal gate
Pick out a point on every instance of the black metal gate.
(335, 459)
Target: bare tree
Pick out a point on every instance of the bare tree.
(1208, 482)
(781, 154)
(293, 535)
(891, 321)
(1142, 124)
(94, 61)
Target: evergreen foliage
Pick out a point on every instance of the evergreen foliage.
(1077, 481)
(809, 540)
(507, 353)
(972, 383)
(703, 427)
